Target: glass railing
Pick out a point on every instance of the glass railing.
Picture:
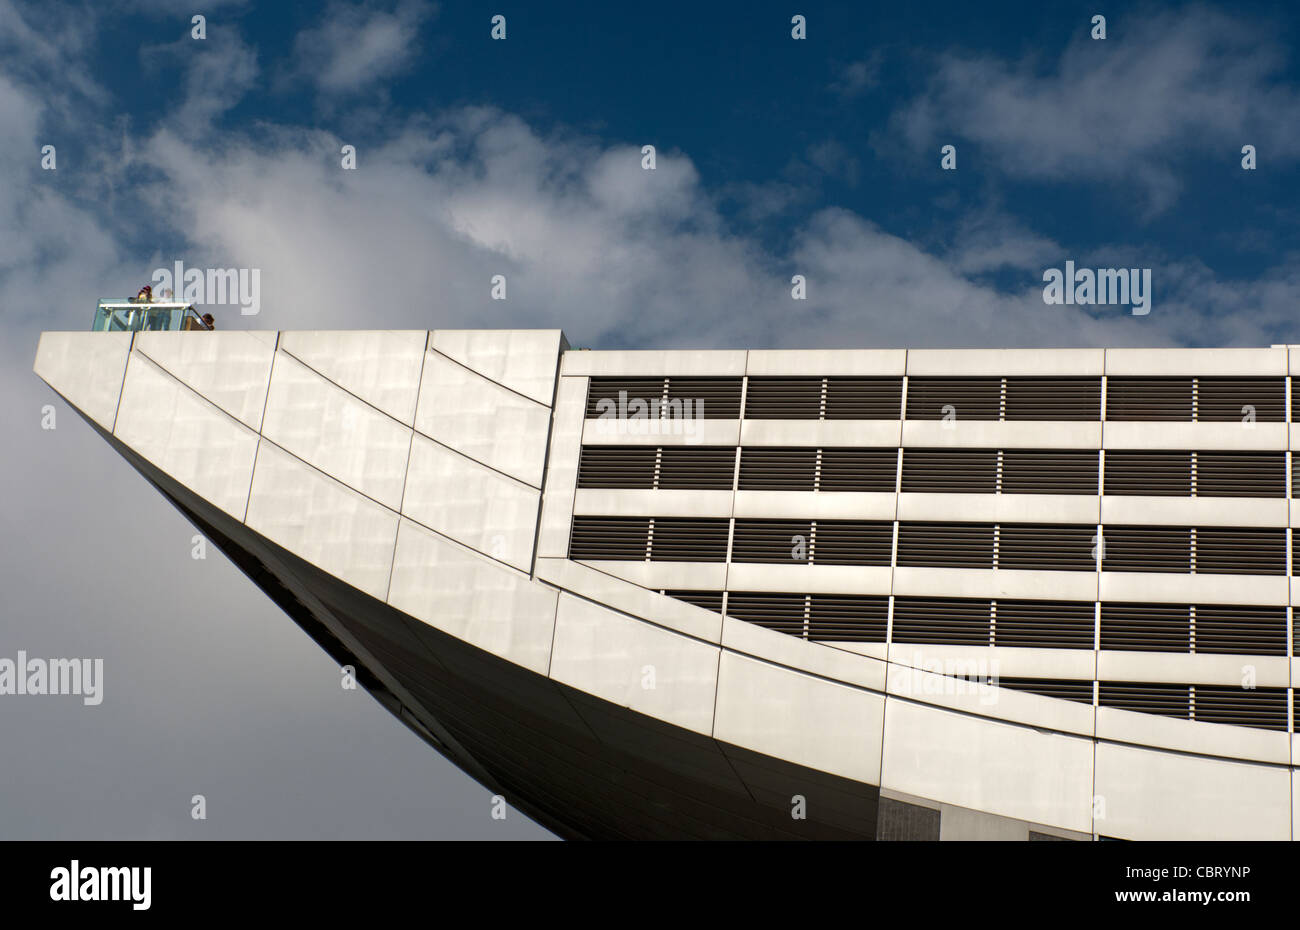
(121, 314)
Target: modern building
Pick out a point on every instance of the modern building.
(1030, 594)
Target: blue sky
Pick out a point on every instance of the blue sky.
(522, 158)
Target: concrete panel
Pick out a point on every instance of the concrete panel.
(322, 521)
(1242, 363)
(947, 689)
(490, 424)
(86, 369)
(382, 367)
(980, 582)
(187, 437)
(1150, 795)
(1169, 588)
(473, 598)
(677, 576)
(999, 508)
(1014, 771)
(992, 434)
(815, 505)
(690, 503)
(998, 661)
(471, 503)
(330, 429)
(1188, 668)
(859, 363)
(792, 652)
(636, 431)
(855, 433)
(1194, 511)
(583, 580)
(634, 664)
(231, 368)
(655, 363)
(1202, 436)
(524, 360)
(780, 712)
(562, 467)
(809, 579)
(1194, 736)
(1005, 362)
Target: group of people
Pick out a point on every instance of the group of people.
(145, 296)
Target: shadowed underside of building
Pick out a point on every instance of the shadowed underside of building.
(767, 594)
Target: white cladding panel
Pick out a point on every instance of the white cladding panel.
(231, 368)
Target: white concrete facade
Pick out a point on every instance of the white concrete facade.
(437, 472)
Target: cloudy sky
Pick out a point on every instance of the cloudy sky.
(522, 158)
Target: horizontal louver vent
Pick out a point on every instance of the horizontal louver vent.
(1238, 400)
(950, 471)
(1240, 474)
(1240, 551)
(777, 469)
(1147, 549)
(1151, 474)
(783, 399)
(1078, 691)
(954, 398)
(696, 468)
(775, 541)
(1167, 399)
(688, 540)
(942, 621)
(709, 600)
(945, 545)
(1146, 627)
(781, 612)
(1031, 471)
(1047, 547)
(859, 470)
(1163, 699)
(1044, 625)
(841, 618)
(1262, 708)
(863, 398)
(670, 398)
(1239, 629)
(609, 538)
(1053, 399)
(852, 542)
(617, 467)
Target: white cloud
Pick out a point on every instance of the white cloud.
(355, 47)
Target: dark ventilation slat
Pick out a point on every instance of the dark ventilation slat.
(1049, 471)
(1150, 474)
(703, 398)
(697, 467)
(950, 471)
(689, 539)
(844, 618)
(1232, 550)
(859, 470)
(1261, 708)
(942, 621)
(609, 538)
(765, 469)
(620, 397)
(774, 541)
(1147, 549)
(852, 542)
(1240, 474)
(1146, 627)
(781, 612)
(617, 467)
(783, 399)
(709, 600)
(1077, 691)
(1146, 698)
(1045, 625)
(968, 398)
(945, 545)
(1229, 400)
(1047, 547)
(1053, 399)
(864, 398)
(1229, 629)
(1162, 399)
